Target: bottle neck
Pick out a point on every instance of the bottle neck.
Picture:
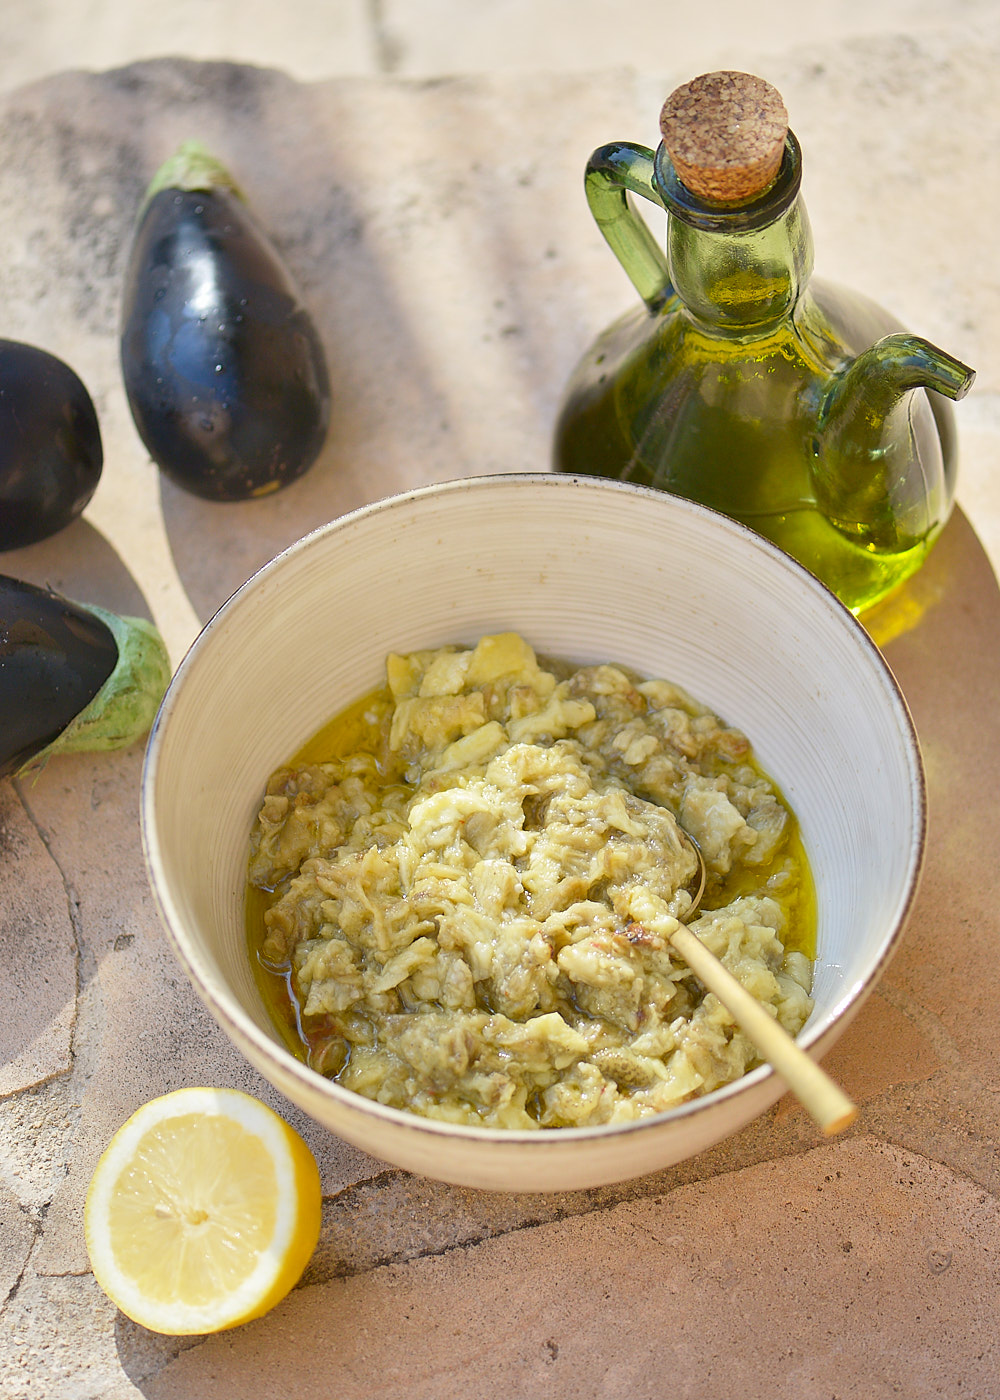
(741, 267)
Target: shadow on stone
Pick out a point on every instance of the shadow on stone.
(80, 564)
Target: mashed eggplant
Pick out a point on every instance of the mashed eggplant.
(473, 910)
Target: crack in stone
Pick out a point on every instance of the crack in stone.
(397, 1201)
(12, 1292)
(407, 1208)
(73, 911)
(901, 1145)
(904, 1142)
(44, 1079)
(926, 1022)
(941, 1041)
(395, 1195)
(388, 51)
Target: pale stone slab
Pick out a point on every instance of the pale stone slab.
(60, 1343)
(950, 674)
(306, 39)
(37, 955)
(17, 1235)
(523, 36)
(36, 1130)
(906, 1054)
(850, 1271)
(440, 234)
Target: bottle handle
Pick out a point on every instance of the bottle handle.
(612, 172)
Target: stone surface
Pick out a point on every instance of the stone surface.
(428, 38)
(17, 1235)
(309, 40)
(440, 235)
(761, 1275)
(573, 35)
(37, 954)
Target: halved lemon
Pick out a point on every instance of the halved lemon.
(203, 1211)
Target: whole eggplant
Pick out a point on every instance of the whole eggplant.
(50, 445)
(73, 677)
(223, 367)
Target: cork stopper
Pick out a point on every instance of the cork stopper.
(725, 133)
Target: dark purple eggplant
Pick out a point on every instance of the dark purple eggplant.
(223, 367)
(73, 677)
(50, 445)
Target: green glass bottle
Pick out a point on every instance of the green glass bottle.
(800, 408)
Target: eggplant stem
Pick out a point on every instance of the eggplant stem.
(192, 167)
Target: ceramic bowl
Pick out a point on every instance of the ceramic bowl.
(588, 570)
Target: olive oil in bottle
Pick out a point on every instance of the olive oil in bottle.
(801, 409)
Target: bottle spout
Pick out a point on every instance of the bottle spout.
(917, 364)
(871, 386)
(878, 469)
(947, 375)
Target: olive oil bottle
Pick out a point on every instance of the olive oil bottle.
(799, 408)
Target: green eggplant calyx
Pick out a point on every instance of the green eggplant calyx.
(124, 708)
(192, 167)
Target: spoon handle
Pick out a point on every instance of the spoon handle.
(825, 1101)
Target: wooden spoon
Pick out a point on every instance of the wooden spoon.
(825, 1101)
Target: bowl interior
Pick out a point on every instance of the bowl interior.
(585, 569)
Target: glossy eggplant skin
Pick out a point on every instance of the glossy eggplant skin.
(54, 658)
(224, 370)
(51, 454)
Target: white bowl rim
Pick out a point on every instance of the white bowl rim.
(243, 1029)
